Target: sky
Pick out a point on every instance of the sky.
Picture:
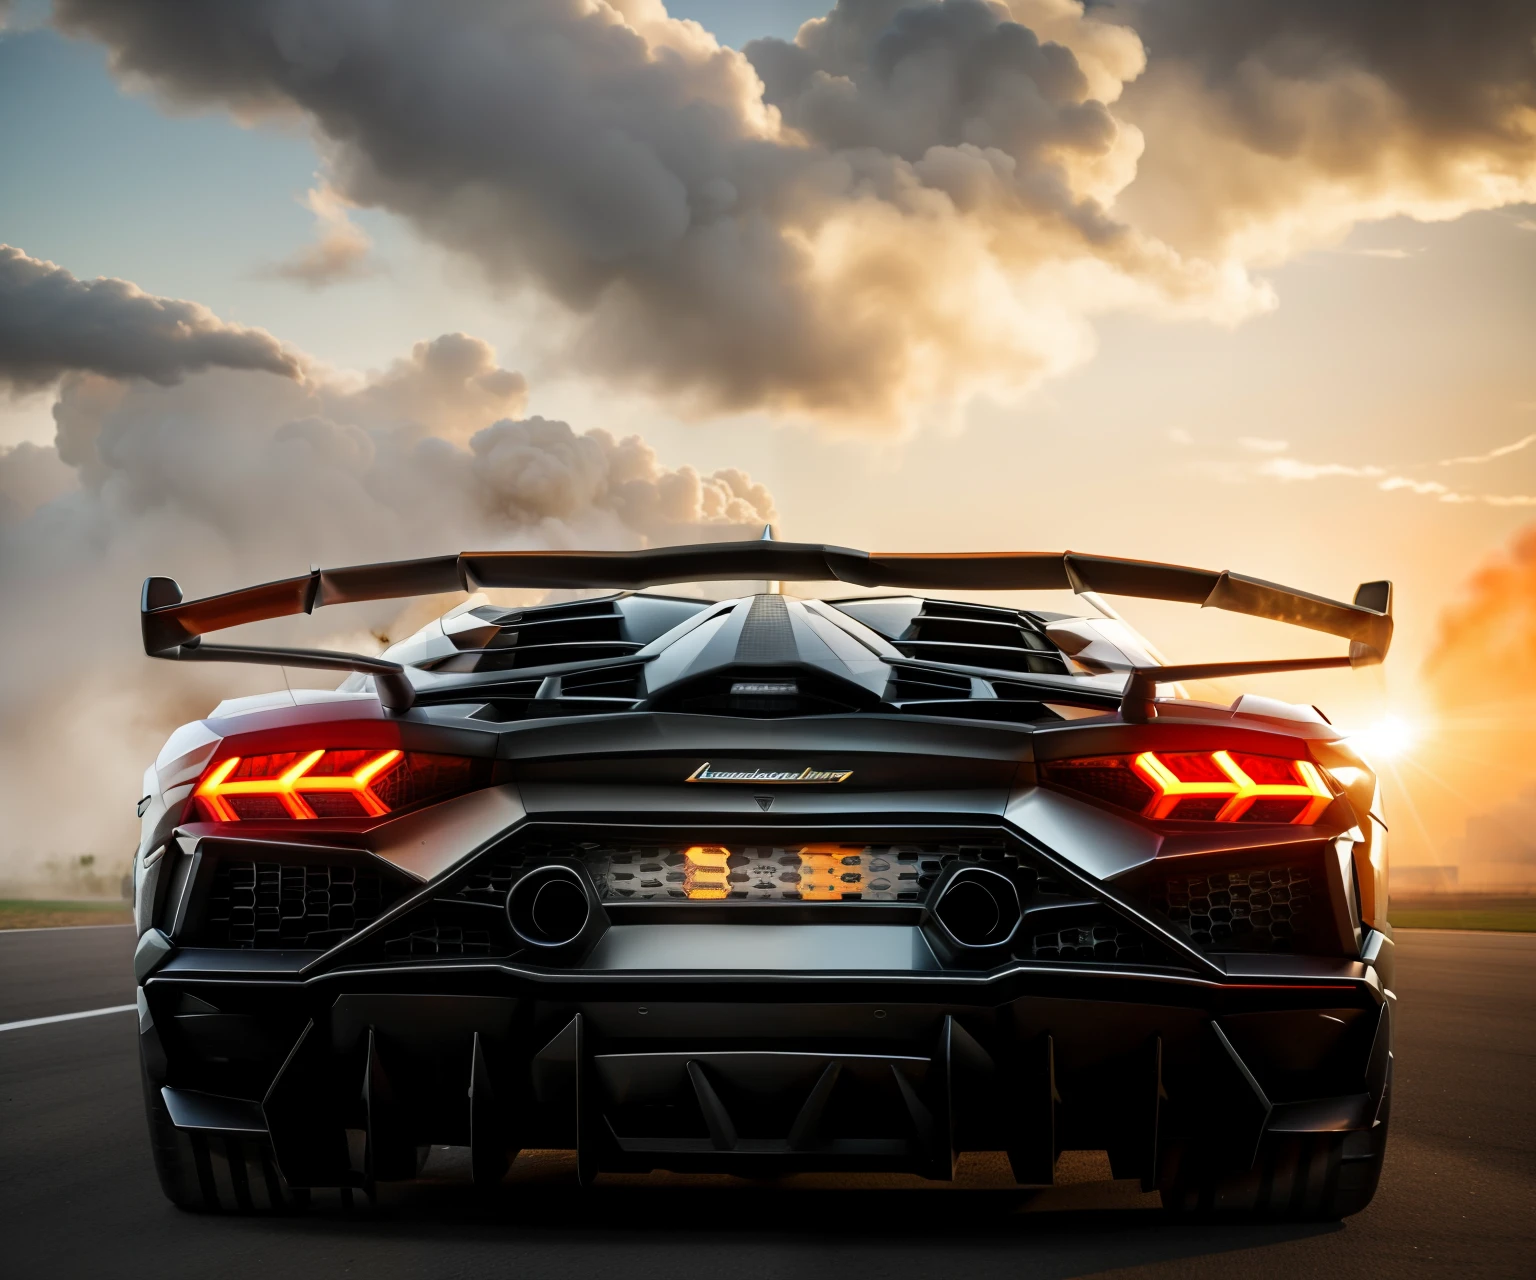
(1251, 288)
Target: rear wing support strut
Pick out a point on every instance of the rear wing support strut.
(1138, 703)
(394, 688)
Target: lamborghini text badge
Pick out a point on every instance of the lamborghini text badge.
(707, 773)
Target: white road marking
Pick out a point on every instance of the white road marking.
(65, 1017)
(54, 928)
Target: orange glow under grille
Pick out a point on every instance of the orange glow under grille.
(218, 791)
(812, 872)
(706, 874)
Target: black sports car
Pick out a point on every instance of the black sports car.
(763, 885)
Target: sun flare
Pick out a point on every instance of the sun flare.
(1389, 738)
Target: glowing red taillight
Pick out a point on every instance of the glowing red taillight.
(326, 783)
(1201, 786)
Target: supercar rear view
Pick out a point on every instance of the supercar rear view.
(765, 885)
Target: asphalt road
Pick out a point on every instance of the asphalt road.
(78, 1196)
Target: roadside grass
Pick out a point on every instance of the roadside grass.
(1430, 918)
(28, 913)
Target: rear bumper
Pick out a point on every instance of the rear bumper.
(347, 1072)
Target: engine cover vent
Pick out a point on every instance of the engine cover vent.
(541, 636)
(975, 635)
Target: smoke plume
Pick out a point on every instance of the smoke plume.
(30, 475)
(51, 323)
(910, 200)
(1481, 673)
(230, 477)
(1487, 638)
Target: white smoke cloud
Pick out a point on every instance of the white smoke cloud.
(30, 475)
(51, 322)
(451, 386)
(232, 477)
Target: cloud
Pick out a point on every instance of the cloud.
(51, 322)
(1424, 488)
(340, 250)
(1178, 435)
(908, 201)
(1275, 125)
(1503, 451)
(1294, 469)
(1289, 469)
(229, 477)
(904, 203)
(22, 16)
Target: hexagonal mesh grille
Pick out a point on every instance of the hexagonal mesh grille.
(1265, 907)
(264, 905)
(871, 873)
(436, 938)
(1101, 940)
(790, 872)
(491, 881)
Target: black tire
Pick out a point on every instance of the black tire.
(215, 1172)
(1313, 1177)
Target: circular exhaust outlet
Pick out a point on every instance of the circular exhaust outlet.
(549, 907)
(979, 908)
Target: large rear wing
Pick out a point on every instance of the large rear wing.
(174, 627)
